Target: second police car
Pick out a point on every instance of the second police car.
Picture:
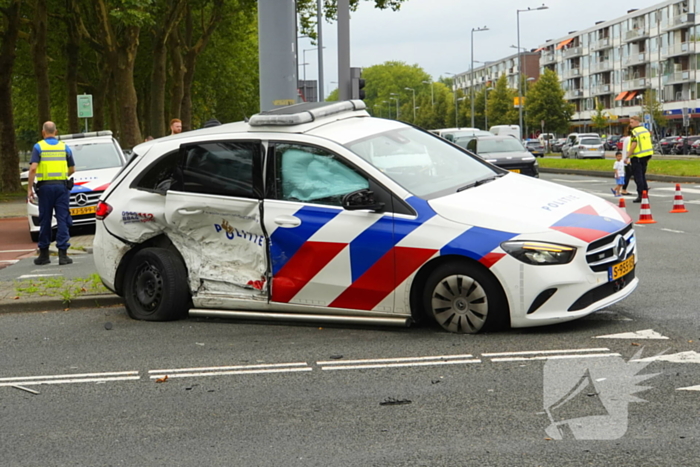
(319, 212)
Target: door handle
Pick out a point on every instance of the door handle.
(287, 221)
(185, 212)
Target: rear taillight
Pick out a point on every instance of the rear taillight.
(103, 210)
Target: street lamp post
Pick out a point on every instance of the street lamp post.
(303, 52)
(520, 68)
(432, 93)
(414, 102)
(454, 88)
(486, 108)
(471, 71)
(397, 103)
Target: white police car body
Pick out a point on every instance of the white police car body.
(318, 212)
(98, 159)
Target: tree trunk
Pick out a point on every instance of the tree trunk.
(178, 76)
(9, 159)
(99, 94)
(40, 60)
(72, 64)
(126, 88)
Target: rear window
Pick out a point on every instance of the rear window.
(591, 141)
(487, 146)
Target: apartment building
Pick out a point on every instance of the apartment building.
(487, 74)
(615, 62)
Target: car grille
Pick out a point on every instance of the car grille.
(603, 253)
(90, 198)
(525, 169)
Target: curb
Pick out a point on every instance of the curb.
(56, 304)
(596, 173)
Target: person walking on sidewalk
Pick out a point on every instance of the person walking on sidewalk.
(619, 174)
(640, 151)
(51, 165)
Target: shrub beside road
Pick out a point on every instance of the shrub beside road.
(657, 165)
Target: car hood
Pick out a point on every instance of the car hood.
(93, 180)
(504, 157)
(524, 205)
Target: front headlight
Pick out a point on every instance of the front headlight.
(538, 253)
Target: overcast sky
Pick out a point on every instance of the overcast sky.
(436, 34)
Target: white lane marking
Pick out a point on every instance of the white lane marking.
(687, 190)
(32, 276)
(544, 352)
(228, 368)
(554, 357)
(576, 181)
(17, 251)
(682, 357)
(232, 372)
(83, 375)
(22, 388)
(398, 365)
(673, 231)
(70, 378)
(395, 360)
(644, 334)
(11, 261)
(692, 201)
(689, 388)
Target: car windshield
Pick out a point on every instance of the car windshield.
(92, 156)
(591, 141)
(487, 146)
(425, 165)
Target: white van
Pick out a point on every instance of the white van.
(500, 130)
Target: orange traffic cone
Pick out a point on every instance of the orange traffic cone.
(645, 211)
(622, 205)
(678, 205)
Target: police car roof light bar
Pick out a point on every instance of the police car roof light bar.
(306, 112)
(86, 135)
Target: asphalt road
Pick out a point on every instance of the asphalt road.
(242, 393)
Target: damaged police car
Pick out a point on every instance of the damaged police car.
(318, 212)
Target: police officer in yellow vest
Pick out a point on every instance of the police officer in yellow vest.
(640, 151)
(51, 165)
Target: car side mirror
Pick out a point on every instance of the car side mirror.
(361, 199)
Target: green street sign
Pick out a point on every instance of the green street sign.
(85, 106)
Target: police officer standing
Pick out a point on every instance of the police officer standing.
(640, 151)
(51, 165)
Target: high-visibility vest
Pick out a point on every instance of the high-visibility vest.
(644, 145)
(53, 164)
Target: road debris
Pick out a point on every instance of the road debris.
(392, 401)
(22, 388)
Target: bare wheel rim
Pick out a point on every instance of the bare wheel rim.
(148, 289)
(460, 304)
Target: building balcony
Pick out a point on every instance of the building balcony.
(573, 52)
(636, 59)
(676, 50)
(572, 73)
(601, 89)
(548, 57)
(636, 83)
(573, 94)
(599, 67)
(679, 22)
(601, 44)
(677, 77)
(636, 34)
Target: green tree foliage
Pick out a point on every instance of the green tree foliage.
(652, 106)
(387, 82)
(545, 102)
(307, 12)
(500, 104)
(600, 118)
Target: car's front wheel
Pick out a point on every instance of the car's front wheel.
(463, 298)
(155, 286)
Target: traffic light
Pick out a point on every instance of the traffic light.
(357, 84)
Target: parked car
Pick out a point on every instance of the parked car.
(573, 140)
(558, 144)
(695, 147)
(502, 130)
(668, 143)
(611, 142)
(462, 138)
(506, 152)
(535, 147)
(684, 144)
(450, 133)
(98, 158)
(587, 147)
(319, 212)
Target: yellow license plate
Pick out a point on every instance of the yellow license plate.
(593, 149)
(84, 210)
(517, 171)
(621, 269)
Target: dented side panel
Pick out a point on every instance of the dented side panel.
(222, 242)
